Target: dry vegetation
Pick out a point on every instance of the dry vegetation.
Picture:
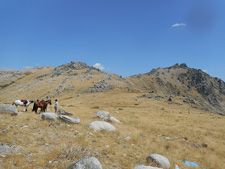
(178, 132)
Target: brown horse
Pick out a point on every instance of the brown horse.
(41, 104)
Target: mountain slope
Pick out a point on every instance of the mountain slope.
(72, 78)
(194, 86)
(180, 80)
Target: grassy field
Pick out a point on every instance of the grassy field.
(179, 132)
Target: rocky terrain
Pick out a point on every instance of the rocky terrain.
(194, 85)
(167, 118)
(42, 82)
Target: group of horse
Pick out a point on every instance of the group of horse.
(37, 104)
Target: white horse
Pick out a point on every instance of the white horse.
(24, 103)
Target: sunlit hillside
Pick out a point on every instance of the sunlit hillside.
(175, 129)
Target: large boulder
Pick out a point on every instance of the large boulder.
(146, 167)
(49, 116)
(69, 119)
(159, 160)
(8, 109)
(86, 163)
(101, 125)
(102, 114)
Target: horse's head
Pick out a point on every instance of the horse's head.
(50, 102)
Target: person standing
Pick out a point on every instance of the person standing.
(56, 105)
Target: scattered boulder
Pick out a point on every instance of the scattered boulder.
(63, 112)
(101, 125)
(189, 100)
(113, 119)
(146, 167)
(86, 163)
(4, 148)
(49, 116)
(69, 119)
(102, 114)
(8, 109)
(159, 160)
(128, 138)
(176, 166)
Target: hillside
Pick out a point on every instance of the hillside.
(192, 85)
(74, 78)
(182, 129)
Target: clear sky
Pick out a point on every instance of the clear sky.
(125, 37)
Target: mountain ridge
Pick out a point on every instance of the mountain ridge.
(78, 78)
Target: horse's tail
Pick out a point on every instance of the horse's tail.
(33, 107)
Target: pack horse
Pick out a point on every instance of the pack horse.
(42, 105)
(23, 103)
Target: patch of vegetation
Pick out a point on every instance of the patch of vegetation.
(96, 107)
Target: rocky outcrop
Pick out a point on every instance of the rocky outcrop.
(101, 86)
(211, 89)
(72, 66)
(180, 80)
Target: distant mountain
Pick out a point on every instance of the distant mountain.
(192, 85)
(180, 80)
(67, 79)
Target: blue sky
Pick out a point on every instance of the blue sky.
(125, 37)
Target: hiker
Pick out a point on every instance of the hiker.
(56, 105)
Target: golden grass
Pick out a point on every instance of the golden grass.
(155, 127)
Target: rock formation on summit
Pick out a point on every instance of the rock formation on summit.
(181, 80)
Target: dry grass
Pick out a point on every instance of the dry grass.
(178, 132)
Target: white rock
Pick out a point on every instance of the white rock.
(128, 138)
(102, 114)
(4, 148)
(176, 167)
(159, 159)
(69, 119)
(49, 116)
(63, 112)
(113, 119)
(8, 109)
(101, 125)
(86, 163)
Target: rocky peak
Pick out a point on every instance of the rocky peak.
(177, 66)
(179, 78)
(73, 66)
